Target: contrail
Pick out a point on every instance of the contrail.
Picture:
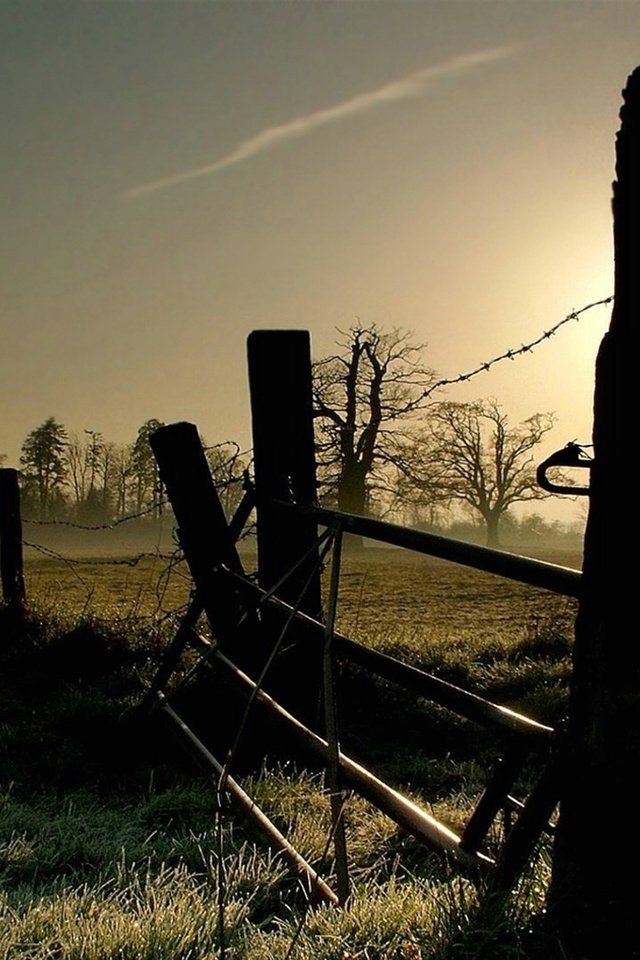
(410, 85)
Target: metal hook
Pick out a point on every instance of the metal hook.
(571, 455)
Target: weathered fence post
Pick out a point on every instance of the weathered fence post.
(11, 569)
(285, 470)
(593, 902)
(284, 463)
(203, 529)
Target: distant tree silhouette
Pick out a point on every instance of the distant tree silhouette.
(119, 477)
(143, 470)
(366, 396)
(89, 459)
(77, 463)
(227, 466)
(44, 467)
(472, 455)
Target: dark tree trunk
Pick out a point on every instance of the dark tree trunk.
(352, 491)
(593, 903)
(492, 520)
(352, 498)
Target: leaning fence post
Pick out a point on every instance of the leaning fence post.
(202, 526)
(284, 462)
(11, 568)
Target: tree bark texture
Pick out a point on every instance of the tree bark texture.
(593, 901)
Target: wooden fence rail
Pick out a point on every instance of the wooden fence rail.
(536, 573)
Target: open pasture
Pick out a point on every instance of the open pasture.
(435, 614)
(497, 637)
(381, 588)
(108, 844)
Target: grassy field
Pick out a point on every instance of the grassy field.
(110, 842)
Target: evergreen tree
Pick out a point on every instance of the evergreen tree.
(144, 470)
(44, 467)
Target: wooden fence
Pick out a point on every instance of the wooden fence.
(250, 618)
(248, 621)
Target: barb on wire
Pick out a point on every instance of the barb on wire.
(515, 351)
(87, 561)
(51, 554)
(98, 526)
(249, 531)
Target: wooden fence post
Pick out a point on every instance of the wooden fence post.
(203, 529)
(11, 569)
(284, 469)
(592, 904)
(284, 462)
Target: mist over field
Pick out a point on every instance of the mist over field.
(279, 278)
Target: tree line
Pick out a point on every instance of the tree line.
(87, 479)
(384, 446)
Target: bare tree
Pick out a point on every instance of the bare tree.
(78, 467)
(106, 475)
(366, 397)
(89, 467)
(119, 476)
(472, 455)
(227, 465)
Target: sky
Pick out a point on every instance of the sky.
(177, 174)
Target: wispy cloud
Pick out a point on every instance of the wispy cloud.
(411, 85)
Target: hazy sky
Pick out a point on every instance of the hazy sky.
(176, 174)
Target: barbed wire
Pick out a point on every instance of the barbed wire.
(160, 614)
(516, 351)
(249, 531)
(95, 562)
(99, 526)
(220, 485)
(176, 557)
